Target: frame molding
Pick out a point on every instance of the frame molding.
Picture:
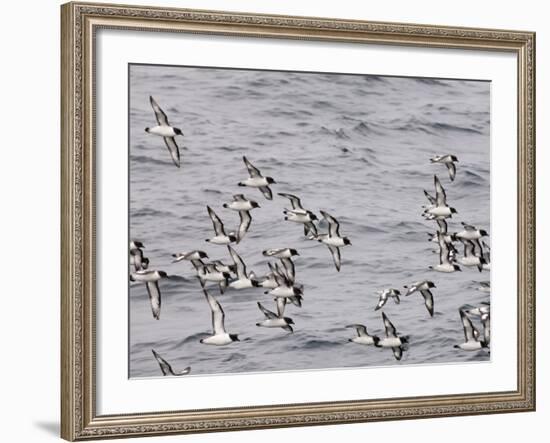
(79, 21)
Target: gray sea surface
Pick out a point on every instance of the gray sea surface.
(357, 146)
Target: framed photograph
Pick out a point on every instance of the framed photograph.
(277, 221)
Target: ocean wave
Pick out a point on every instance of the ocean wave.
(431, 81)
(180, 278)
(234, 356)
(454, 128)
(150, 212)
(212, 191)
(371, 78)
(141, 159)
(364, 128)
(413, 226)
(191, 339)
(316, 343)
(413, 127)
(370, 229)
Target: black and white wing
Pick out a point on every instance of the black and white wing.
(239, 198)
(309, 227)
(272, 269)
(382, 299)
(164, 365)
(288, 328)
(333, 225)
(451, 167)
(281, 304)
(296, 300)
(252, 170)
(478, 250)
(294, 201)
(269, 314)
(361, 330)
(430, 198)
(397, 352)
(428, 300)
(154, 297)
(468, 227)
(166, 368)
(468, 248)
(442, 225)
(280, 276)
(468, 327)
(136, 256)
(411, 289)
(216, 222)
(266, 191)
(218, 316)
(174, 149)
(336, 256)
(272, 252)
(391, 332)
(161, 117)
(440, 196)
(475, 332)
(290, 271)
(246, 219)
(241, 267)
(486, 320)
(443, 249)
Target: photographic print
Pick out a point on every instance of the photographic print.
(284, 221)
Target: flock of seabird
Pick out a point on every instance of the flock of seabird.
(281, 283)
(476, 254)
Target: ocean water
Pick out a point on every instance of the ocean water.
(356, 146)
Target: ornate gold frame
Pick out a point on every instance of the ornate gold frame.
(79, 21)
